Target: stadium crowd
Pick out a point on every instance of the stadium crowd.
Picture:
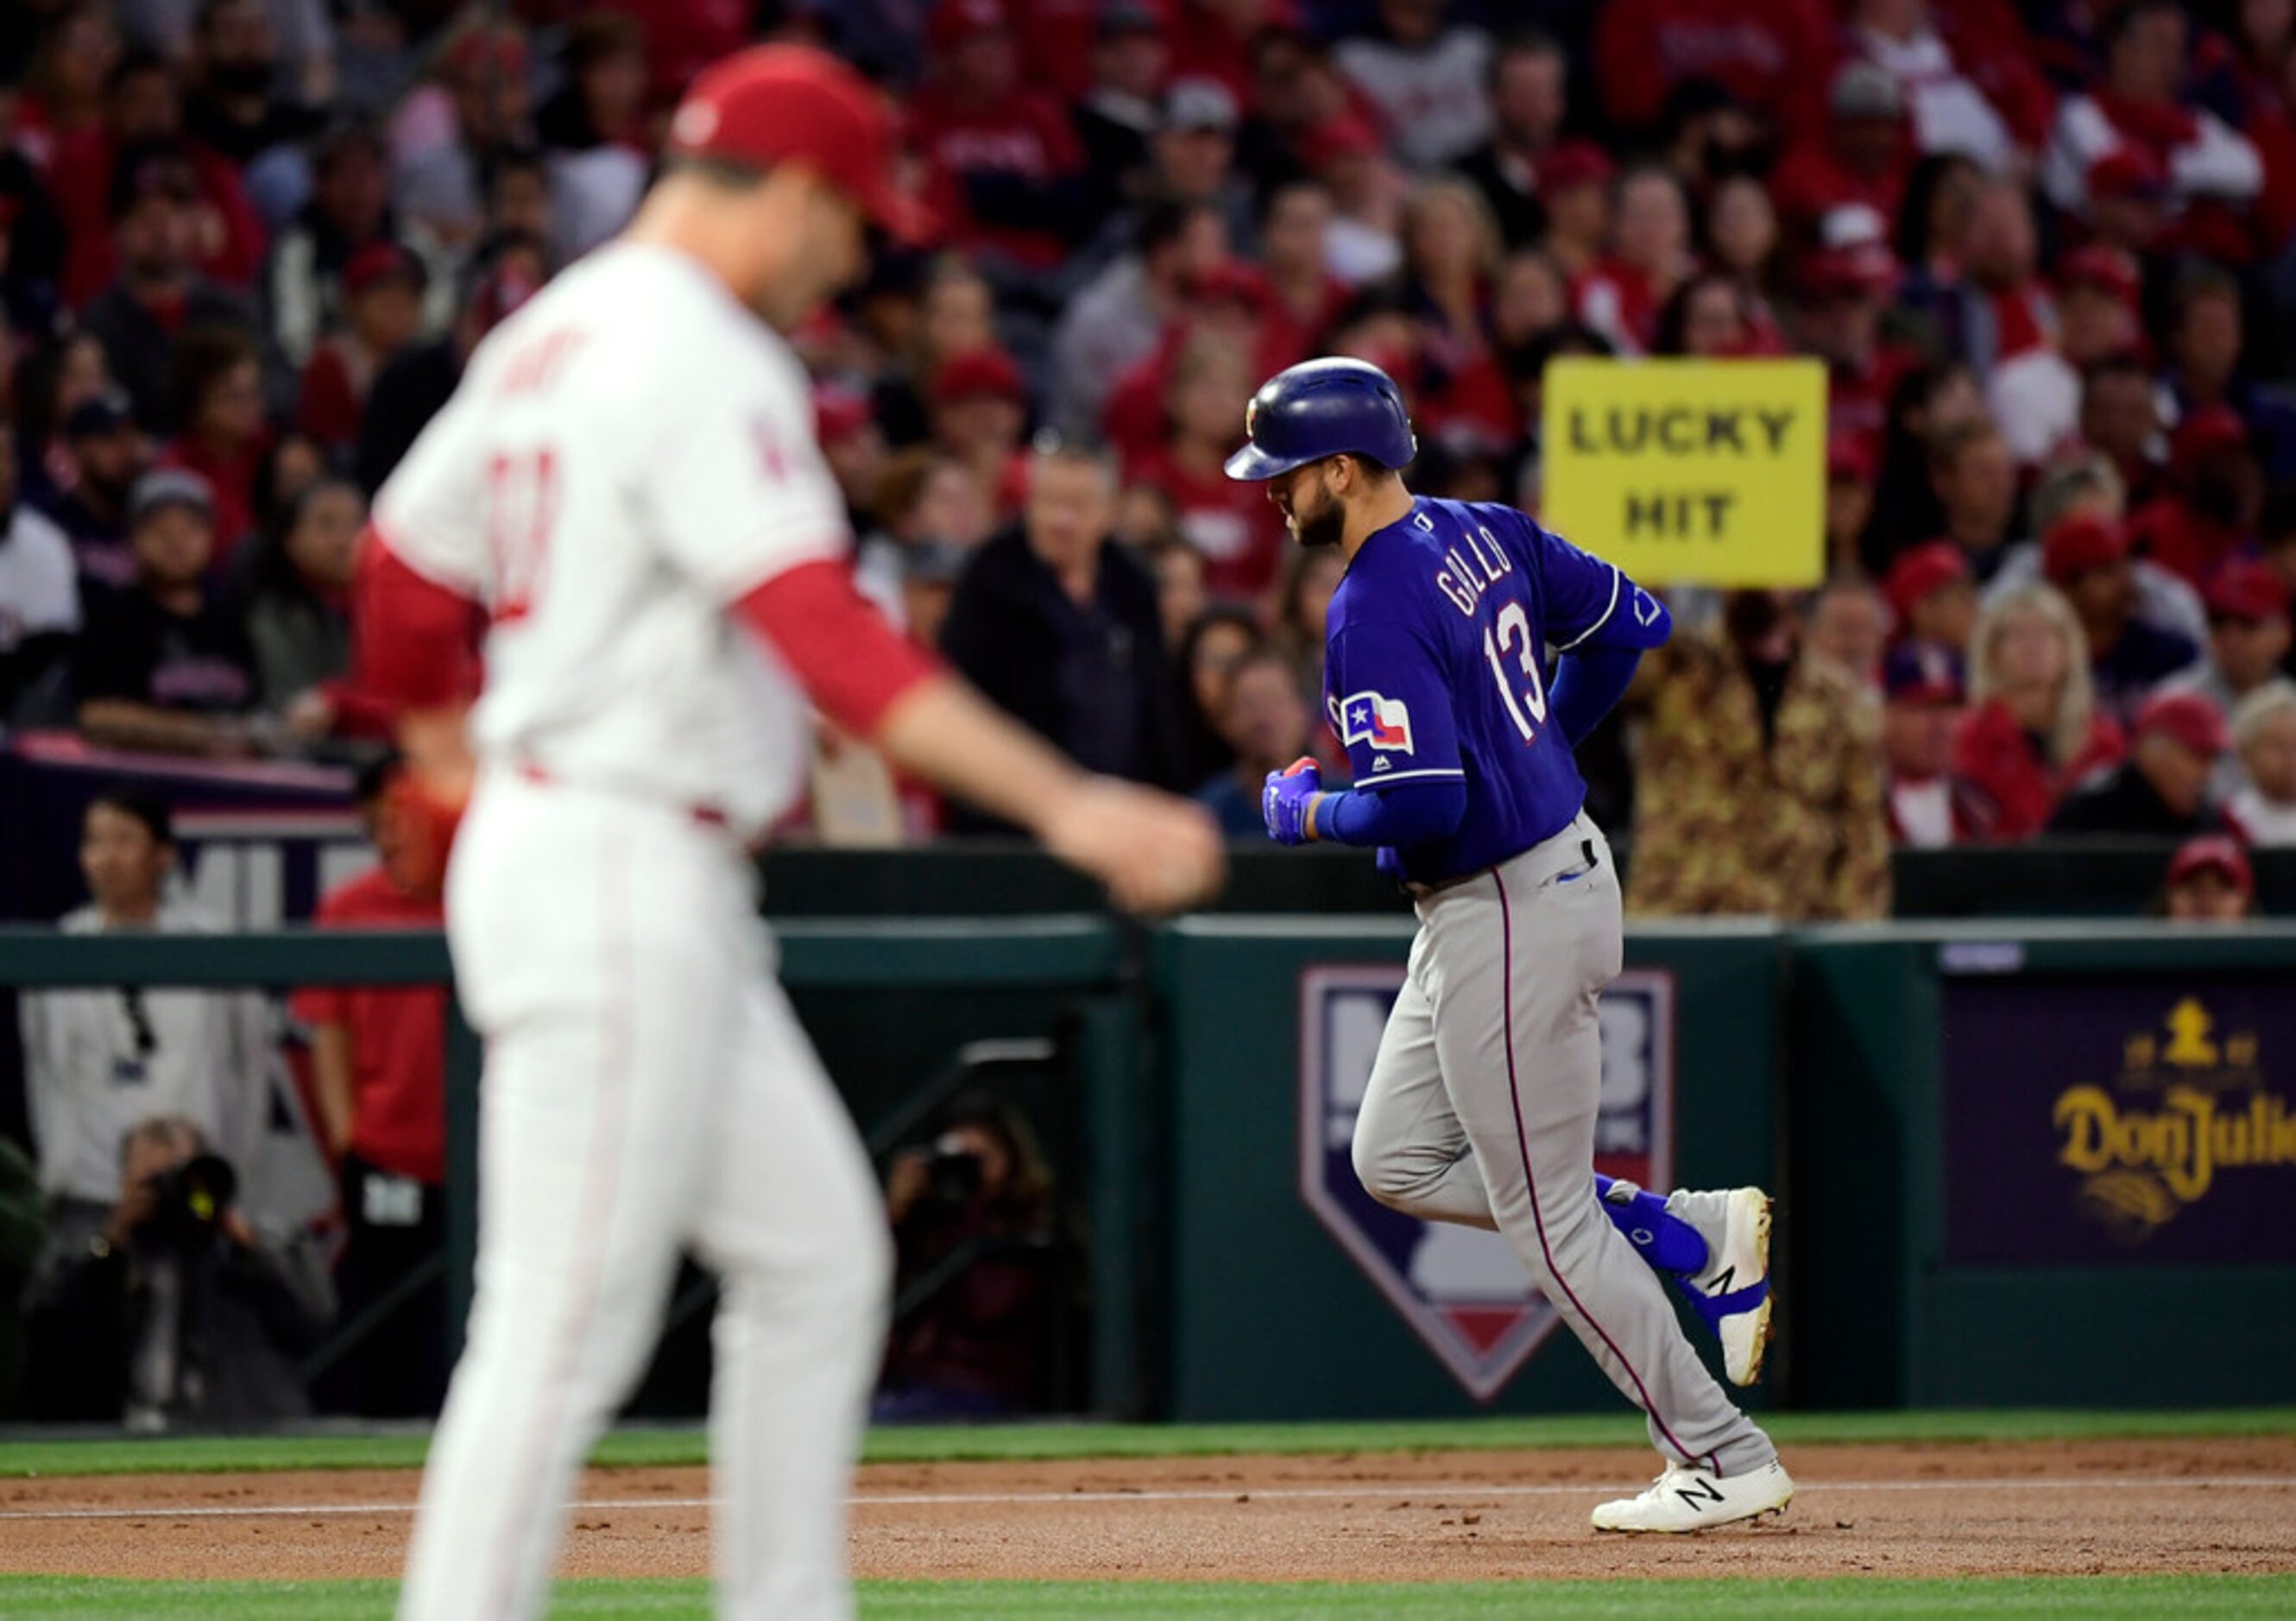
(2043, 250)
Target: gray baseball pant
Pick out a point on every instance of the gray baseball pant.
(1480, 1111)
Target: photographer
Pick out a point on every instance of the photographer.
(975, 1295)
(169, 1309)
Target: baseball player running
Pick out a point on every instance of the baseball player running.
(1481, 1104)
(627, 488)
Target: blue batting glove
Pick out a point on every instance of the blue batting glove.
(1283, 802)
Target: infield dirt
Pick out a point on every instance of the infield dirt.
(2223, 1505)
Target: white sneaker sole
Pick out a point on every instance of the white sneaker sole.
(1663, 1519)
(1746, 1336)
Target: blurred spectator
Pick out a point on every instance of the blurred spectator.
(1269, 724)
(348, 211)
(1303, 604)
(2264, 731)
(2086, 558)
(1574, 182)
(1622, 295)
(159, 294)
(1233, 525)
(1116, 322)
(2136, 104)
(1007, 161)
(2099, 306)
(1344, 156)
(2086, 487)
(1924, 404)
(1179, 570)
(1924, 706)
(1931, 598)
(381, 304)
(2210, 882)
(1123, 107)
(1429, 77)
(2121, 420)
(974, 1227)
(925, 500)
(1059, 627)
(2248, 635)
(163, 666)
(1849, 499)
(1841, 290)
(409, 390)
(167, 1308)
(1741, 242)
(1760, 776)
(2008, 331)
(1947, 110)
(450, 141)
(853, 446)
(593, 130)
(214, 398)
(978, 408)
(234, 106)
(1932, 240)
(1528, 87)
(1212, 651)
(1192, 158)
(378, 1071)
(39, 594)
(955, 315)
(1303, 294)
(1975, 482)
(98, 1061)
(2035, 728)
(1705, 319)
(299, 604)
(142, 117)
(1859, 157)
(72, 64)
(1849, 624)
(1450, 254)
(2162, 790)
(2127, 202)
(2214, 490)
(1770, 55)
(104, 454)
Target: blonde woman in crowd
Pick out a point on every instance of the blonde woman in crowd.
(2264, 732)
(2035, 728)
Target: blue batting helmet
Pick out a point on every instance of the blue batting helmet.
(1322, 408)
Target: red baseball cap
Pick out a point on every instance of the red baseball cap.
(2246, 589)
(775, 103)
(2189, 717)
(1851, 456)
(1348, 135)
(2128, 171)
(989, 371)
(2213, 852)
(2098, 265)
(2078, 543)
(839, 413)
(1921, 570)
(1575, 163)
(955, 21)
(379, 262)
(1230, 281)
(2212, 430)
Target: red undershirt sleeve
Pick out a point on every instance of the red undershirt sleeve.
(414, 642)
(853, 665)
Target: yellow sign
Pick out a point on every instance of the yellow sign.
(1708, 472)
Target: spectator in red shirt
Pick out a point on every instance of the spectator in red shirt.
(1006, 160)
(1770, 55)
(2035, 728)
(214, 390)
(2098, 315)
(142, 107)
(379, 1069)
(1949, 111)
(2215, 491)
(1303, 294)
(1742, 240)
(1843, 291)
(978, 409)
(2009, 327)
(1575, 184)
(1860, 156)
(70, 69)
(382, 289)
(156, 211)
(1621, 297)
(1233, 525)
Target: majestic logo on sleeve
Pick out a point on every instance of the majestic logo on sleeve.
(1383, 723)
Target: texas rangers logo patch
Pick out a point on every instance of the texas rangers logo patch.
(1461, 1289)
(1383, 723)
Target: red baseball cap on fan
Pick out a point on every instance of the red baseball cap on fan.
(790, 103)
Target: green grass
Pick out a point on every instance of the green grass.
(115, 1456)
(2183, 1596)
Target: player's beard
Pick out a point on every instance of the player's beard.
(1319, 525)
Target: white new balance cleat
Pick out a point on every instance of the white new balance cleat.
(1733, 1294)
(1686, 1500)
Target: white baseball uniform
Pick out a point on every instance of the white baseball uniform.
(627, 456)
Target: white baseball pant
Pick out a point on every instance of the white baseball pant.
(646, 1088)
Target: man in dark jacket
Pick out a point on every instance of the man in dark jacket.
(2160, 791)
(1059, 627)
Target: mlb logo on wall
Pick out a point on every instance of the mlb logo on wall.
(1462, 1290)
(1383, 723)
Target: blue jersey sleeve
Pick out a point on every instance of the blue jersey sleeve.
(1588, 600)
(1390, 700)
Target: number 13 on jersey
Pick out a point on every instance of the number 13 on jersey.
(1527, 707)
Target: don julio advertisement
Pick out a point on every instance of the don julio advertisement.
(2119, 1122)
